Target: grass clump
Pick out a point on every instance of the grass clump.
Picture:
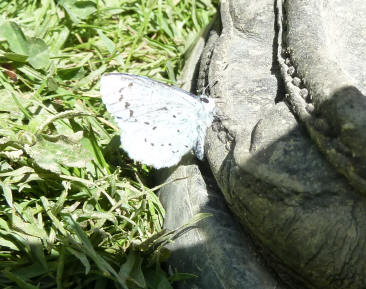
(73, 212)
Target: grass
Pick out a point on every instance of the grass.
(74, 212)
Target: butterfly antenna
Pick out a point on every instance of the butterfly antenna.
(208, 86)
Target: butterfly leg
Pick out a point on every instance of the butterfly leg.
(199, 148)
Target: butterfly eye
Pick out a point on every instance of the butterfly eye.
(204, 99)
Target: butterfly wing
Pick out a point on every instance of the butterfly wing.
(159, 123)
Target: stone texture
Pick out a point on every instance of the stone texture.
(308, 220)
(287, 150)
(218, 251)
(325, 42)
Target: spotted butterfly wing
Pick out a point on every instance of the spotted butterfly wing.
(159, 123)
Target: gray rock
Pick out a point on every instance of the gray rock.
(218, 251)
(325, 43)
(308, 220)
(287, 150)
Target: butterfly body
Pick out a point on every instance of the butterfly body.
(159, 123)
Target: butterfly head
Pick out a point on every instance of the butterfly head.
(208, 110)
(207, 103)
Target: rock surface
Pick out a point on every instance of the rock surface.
(218, 251)
(324, 43)
(301, 211)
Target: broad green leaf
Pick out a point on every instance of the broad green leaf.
(12, 155)
(131, 270)
(27, 228)
(156, 279)
(26, 137)
(60, 269)
(18, 172)
(99, 215)
(16, 57)
(91, 77)
(40, 118)
(109, 44)
(102, 264)
(11, 32)
(33, 50)
(181, 276)
(82, 257)
(4, 225)
(7, 193)
(60, 39)
(37, 250)
(34, 270)
(9, 105)
(52, 154)
(58, 206)
(52, 84)
(22, 284)
(17, 238)
(56, 223)
(32, 73)
(6, 243)
(74, 73)
(78, 10)
(30, 245)
(38, 53)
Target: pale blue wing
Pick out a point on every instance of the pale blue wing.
(159, 123)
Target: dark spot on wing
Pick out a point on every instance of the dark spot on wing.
(178, 130)
(127, 104)
(152, 144)
(186, 146)
(118, 117)
(145, 140)
(169, 144)
(163, 108)
(121, 89)
(162, 145)
(204, 99)
(131, 113)
(174, 116)
(154, 128)
(130, 84)
(146, 122)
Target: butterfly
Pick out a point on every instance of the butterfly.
(159, 123)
